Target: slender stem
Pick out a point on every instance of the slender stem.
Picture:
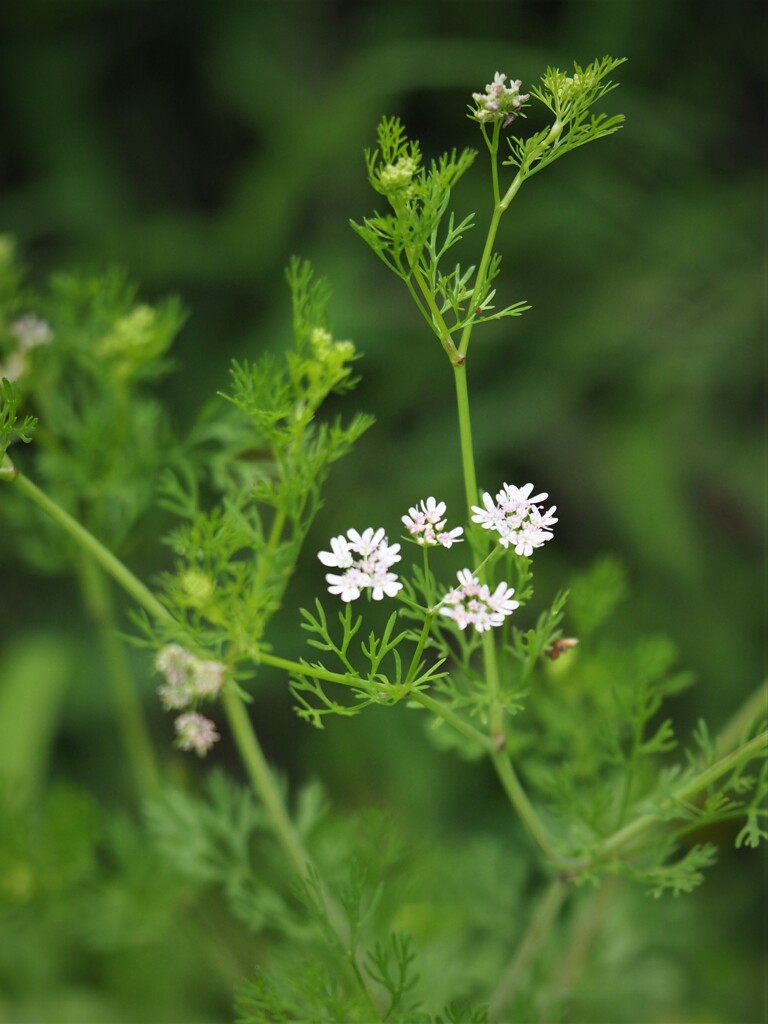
(441, 328)
(500, 757)
(585, 930)
(263, 780)
(752, 710)
(246, 741)
(452, 719)
(465, 435)
(496, 722)
(493, 147)
(112, 565)
(305, 669)
(136, 740)
(416, 659)
(482, 270)
(683, 793)
(522, 804)
(544, 916)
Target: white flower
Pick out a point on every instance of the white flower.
(366, 558)
(30, 331)
(188, 678)
(348, 586)
(340, 554)
(517, 518)
(473, 604)
(195, 732)
(450, 537)
(426, 525)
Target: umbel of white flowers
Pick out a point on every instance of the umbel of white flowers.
(367, 559)
(517, 518)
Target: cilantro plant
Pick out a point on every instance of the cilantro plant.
(572, 725)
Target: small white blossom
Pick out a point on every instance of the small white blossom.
(340, 556)
(473, 604)
(426, 525)
(30, 331)
(195, 732)
(14, 367)
(499, 100)
(366, 559)
(188, 678)
(517, 518)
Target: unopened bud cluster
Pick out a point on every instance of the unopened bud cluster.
(499, 101)
(187, 680)
(396, 179)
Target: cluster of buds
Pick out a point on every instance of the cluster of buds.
(426, 525)
(28, 332)
(473, 604)
(499, 101)
(395, 179)
(187, 680)
(517, 518)
(366, 559)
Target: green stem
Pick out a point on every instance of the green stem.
(452, 719)
(246, 741)
(521, 803)
(751, 711)
(112, 565)
(582, 937)
(136, 740)
(682, 794)
(263, 780)
(440, 326)
(544, 916)
(465, 435)
(500, 757)
(416, 659)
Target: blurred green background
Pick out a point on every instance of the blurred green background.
(199, 145)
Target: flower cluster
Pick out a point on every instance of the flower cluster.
(397, 178)
(473, 604)
(195, 732)
(499, 101)
(426, 525)
(28, 332)
(517, 518)
(188, 679)
(366, 560)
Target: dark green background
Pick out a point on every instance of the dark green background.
(200, 145)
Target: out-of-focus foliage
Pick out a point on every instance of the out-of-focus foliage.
(199, 146)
